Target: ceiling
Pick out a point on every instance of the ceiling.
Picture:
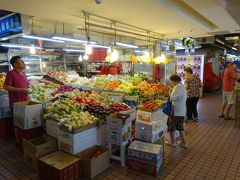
(173, 18)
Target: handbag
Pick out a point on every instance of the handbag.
(167, 107)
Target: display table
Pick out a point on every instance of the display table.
(237, 109)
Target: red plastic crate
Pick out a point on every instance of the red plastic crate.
(6, 128)
(49, 172)
(27, 134)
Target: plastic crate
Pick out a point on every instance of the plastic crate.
(26, 134)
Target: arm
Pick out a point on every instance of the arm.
(14, 89)
(9, 85)
(175, 94)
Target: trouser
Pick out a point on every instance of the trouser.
(192, 107)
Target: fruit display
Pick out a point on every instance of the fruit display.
(117, 107)
(2, 79)
(137, 92)
(77, 120)
(113, 85)
(125, 87)
(62, 90)
(98, 111)
(153, 104)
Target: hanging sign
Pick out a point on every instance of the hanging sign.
(11, 25)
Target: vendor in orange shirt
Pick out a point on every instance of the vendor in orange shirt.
(229, 78)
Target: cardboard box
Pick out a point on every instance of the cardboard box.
(27, 114)
(119, 128)
(119, 135)
(38, 147)
(147, 152)
(59, 166)
(148, 168)
(118, 120)
(150, 132)
(76, 143)
(27, 134)
(91, 167)
(132, 113)
(148, 116)
(52, 128)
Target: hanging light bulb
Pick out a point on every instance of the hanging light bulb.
(80, 58)
(147, 54)
(88, 49)
(85, 57)
(114, 55)
(109, 50)
(32, 49)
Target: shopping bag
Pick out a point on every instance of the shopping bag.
(167, 107)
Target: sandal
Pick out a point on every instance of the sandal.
(221, 116)
(171, 144)
(229, 118)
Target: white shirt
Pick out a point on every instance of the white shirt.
(178, 98)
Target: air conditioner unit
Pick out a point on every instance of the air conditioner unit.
(205, 40)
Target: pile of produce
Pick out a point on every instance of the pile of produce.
(117, 107)
(62, 90)
(113, 85)
(137, 92)
(125, 87)
(153, 104)
(2, 79)
(42, 91)
(98, 111)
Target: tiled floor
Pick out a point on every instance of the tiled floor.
(214, 152)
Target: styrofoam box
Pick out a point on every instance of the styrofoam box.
(27, 114)
(76, 143)
(145, 151)
(150, 132)
(52, 128)
(150, 116)
(102, 139)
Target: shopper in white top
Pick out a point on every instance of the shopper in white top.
(178, 96)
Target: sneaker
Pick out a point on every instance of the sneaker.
(195, 119)
(184, 145)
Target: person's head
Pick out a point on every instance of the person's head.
(227, 64)
(17, 62)
(189, 70)
(175, 79)
(235, 65)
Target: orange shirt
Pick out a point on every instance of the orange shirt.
(229, 77)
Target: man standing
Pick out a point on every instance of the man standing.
(229, 78)
(16, 82)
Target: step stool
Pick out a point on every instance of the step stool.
(122, 152)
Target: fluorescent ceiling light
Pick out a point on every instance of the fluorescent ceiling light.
(72, 40)
(73, 50)
(41, 38)
(232, 38)
(219, 41)
(100, 46)
(126, 45)
(234, 48)
(18, 46)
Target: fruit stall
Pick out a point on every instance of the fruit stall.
(89, 121)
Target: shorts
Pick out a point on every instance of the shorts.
(176, 123)
(228, 97)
